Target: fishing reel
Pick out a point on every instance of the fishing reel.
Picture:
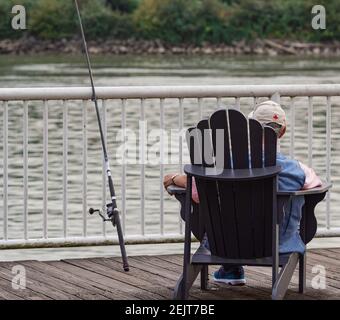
(107, 214)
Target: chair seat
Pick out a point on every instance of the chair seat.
(203, 256)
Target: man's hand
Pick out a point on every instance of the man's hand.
(167, 181)
(177, 179)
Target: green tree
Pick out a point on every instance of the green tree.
(53, 19)
(127, 6)
(178, 21)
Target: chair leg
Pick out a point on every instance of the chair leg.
(183, 285)
(204, 277)
(178, 292)
(302, 273)
(281, 285)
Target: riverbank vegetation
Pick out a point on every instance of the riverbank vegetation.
(174, 22)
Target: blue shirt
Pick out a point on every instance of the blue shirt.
(291, 177)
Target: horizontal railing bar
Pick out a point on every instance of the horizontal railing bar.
(144, 92)
(112, 240)
(90, 241)
(328, 233)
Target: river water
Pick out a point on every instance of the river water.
(141, 70)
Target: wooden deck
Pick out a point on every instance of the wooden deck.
(152, 277)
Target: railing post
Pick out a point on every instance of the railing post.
(292, 128)
(5, 164)
(237, 103)
(254, 103)
(123, 190)
(200, 109)
(65, 167)
(328, 157)
(142, 165)
(276, 97)
(161, 166)
(45, 169)
(218, 102)
(25, 164)
(310, 131)
(180, 151)
(84, 106)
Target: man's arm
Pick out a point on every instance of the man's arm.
(312, 180)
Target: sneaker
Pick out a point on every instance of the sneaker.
(233, 276)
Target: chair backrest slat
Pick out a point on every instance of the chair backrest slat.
(194, 146)
(244, 223)
(220, 137)
(207, 189)
(239, 139)
(229, 219)
(270, 146)
(206, 143)
(256, 143)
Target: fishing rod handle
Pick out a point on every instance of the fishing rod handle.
(121, 242)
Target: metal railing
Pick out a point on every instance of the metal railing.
(123, 94)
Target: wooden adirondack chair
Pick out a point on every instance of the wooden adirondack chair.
(240, 208)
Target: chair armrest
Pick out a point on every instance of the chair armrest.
(231, 174)
(323, 188)
(173, 189)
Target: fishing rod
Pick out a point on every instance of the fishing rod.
(111, 208)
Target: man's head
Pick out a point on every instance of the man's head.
(271, 114)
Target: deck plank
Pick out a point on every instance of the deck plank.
(64, 284)
(158, 274)
(6, 291)
(153, 277)
(121, 278)
(115, 287)
(331, 268)
(35, 289)
(136, 276)
(155, 282)
(85, 284)
(86, 291)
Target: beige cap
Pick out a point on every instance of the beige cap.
(269, 111)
